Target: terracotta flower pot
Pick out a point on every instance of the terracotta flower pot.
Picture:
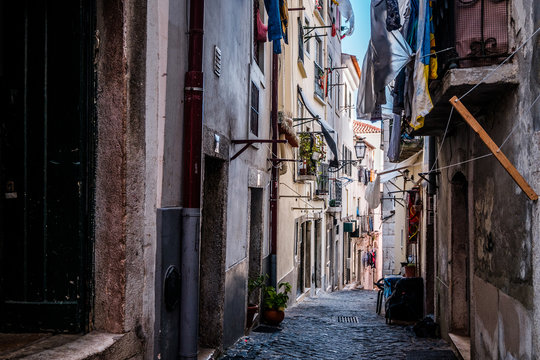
(410, 271)
(273, 317)
(251, 311)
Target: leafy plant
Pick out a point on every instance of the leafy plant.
(309, 144)
(256, 283)
(274, 300)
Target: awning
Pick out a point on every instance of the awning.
(393, 171)
(325, 127)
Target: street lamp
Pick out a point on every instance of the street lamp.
(360, 149)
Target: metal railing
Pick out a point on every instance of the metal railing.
(477, 30)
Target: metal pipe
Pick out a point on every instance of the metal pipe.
(274, 191)
(191, 186)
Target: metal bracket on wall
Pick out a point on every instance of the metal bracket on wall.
(336, 68)
(251, 142)
(395, 200)
(311, 28)
(423, 176)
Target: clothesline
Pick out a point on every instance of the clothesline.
(479, 157)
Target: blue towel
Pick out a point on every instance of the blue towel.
(274, 24)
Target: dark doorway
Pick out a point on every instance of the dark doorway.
(255, 239)
(46, 85)
(301, 260)
(318, 254)
(212, 253)
(307, 256)
(459, 286)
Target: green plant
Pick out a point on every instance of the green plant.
(274, 300)
(256, 283)
(309, 144)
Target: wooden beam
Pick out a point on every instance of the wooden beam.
(512, 171)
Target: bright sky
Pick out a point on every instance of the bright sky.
(357, 43)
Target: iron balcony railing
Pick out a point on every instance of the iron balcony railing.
(476, 30)
(323, 180)
(335, 193)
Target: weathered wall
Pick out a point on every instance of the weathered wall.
(227, 114)
(110, 171)
(120, 168)
(502, 226)
(535, 178)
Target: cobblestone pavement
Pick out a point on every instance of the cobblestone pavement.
(311, 330)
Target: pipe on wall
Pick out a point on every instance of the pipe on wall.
(191, 186)
(275, 173)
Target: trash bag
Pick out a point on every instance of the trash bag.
(426, 328)
(406, 301)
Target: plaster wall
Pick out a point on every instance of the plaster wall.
(534, 85)
(227, 114)
(291, 76)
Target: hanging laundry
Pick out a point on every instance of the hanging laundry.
(284, 17)
(346, 10)
(395, 137)
(393, 21)
(425, 66)
(387, 54)
(275, 31)
(261, 29)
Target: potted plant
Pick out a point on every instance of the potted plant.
(311, 151)
(253, 307)
(275, 302)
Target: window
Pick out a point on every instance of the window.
(254, 118)
(258, 47)
(338, 92)
(319, 72)
(300, 41)
(350, 104)
(319, 51)
(299, 109)
(330, 76)
(345, 105)
(307, 46)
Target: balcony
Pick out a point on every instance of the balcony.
(334, 204)
(322, 183)
(478, 35)
(311, 151)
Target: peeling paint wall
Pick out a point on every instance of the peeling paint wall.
(120, 257)
(503, 222)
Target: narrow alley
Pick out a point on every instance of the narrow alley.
(337, 325)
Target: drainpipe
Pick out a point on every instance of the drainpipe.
(275, 174)
(191, 186)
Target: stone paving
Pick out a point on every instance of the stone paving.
(311, 330)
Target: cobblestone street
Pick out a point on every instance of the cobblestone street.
(312, 330)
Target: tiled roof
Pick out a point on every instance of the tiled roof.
(363, 128)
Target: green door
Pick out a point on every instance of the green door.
(46, 82)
